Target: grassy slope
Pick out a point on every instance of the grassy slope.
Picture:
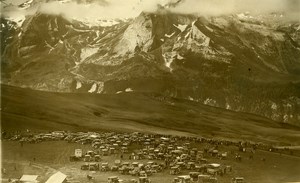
(25, 108)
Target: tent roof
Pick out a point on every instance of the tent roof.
(58, 177)
(29, 178)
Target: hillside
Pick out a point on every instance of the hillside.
(37, 110)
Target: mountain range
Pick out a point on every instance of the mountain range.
(239, 62)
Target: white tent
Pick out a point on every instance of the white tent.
(58, 177)
(29, 179)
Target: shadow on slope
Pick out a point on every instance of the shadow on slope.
(29, 109)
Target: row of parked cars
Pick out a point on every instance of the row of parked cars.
(175, 153)
(178, 157)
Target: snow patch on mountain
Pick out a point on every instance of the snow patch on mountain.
(169, 35)
(180, 27)
(100, 86)
(197, 35)
(210, 102)
(87, 52)
(137, 34)
(244, 16)
(97, 22)
(77, 30)
(51, 48)
(228, 107)
(93, 88)
(128, 90)
(179, 57)
(208, 28)
(78, 85)
(195, 39)
(64, 1)
(169, 58)
(18, 19)
(274, 106)
(187, 35)
(25, 5)
(97, 87)
(191, 98)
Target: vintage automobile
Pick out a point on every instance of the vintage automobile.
(134, 172)
(114, 168)
(144, 180)
(75, 158)
(94, 167)
(85, 167)
(135, 164)
(238, 180)
(182, 179)
(124, 170)
(175, 170)
(113, 179)
(182, 165)
(142, 174)
(97, 158)
(194, 175)
(156, 168)
(207, 179)
(104, 167)
(87, 158)
(191, 165)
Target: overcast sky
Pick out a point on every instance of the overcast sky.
(132, 8)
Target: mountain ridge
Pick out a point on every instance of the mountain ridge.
(235, 62)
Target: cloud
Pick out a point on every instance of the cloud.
(220, 7)
(115, 9)
(131, 8)
(103, 10)
(111, 9)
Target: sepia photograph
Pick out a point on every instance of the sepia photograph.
(150, 91)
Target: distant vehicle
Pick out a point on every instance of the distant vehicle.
(142, 174)
(144, 180)
(124, 170)
(134, 172)
(175, 170)
(105, 152)
(104, 167)
(90, 166)
(77, 155)
(190, 165)
(97, 158)
(207, 179)
(114, 168)
(182, 179)
(238, 180)
(135, 164)
(194, 175)
(85, 167)
(75, 158)
(113, 179)
(94, 167)
(87, 158)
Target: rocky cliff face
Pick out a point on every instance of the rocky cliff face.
(237, 62)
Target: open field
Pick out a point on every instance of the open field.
(27, 109)
(39, 111)
(54, 155)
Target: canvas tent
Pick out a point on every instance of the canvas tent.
(29, 179)
(58, 177)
